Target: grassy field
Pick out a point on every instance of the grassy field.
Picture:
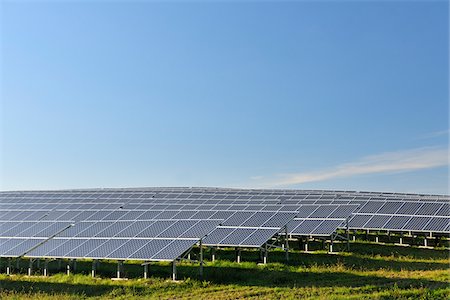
(369, 271)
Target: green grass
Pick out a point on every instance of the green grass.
(369, 271)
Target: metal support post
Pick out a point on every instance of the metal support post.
(376, 238)
(348, 234)
(425, 242)
(401, 239)
(213, 254)
(94, 268)
(45, 267)
(30, 267)
(145, 271)
(238, 255)
(8, 268)
(174, 270)
(119, 268)
(286, 243)
(201, 259)
(265, 254)
(306, 244)
(68, 267)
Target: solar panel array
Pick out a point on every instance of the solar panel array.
(163, 223)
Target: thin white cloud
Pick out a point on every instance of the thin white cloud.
(388, 162)
(435, 134)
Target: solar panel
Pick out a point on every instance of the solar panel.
(17, 247)
(217, 235)
(258, 237)
(305, 227)
(397, 222)
(409, 208)
(327, 227)
(377, 222)
(237, 236)
(437, 224)
(61, 247)
(128, 248)
(359, 221)
(105, 248)
(132, 215)
(416, 223)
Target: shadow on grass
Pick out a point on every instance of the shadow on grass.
(218, 275)
(225, 271)
(357, 261)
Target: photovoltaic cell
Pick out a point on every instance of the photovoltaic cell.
(105, 248)
(177, 229)
(238, 218)
(397, 222)
(279, 219)
(259, 237)
(359, 221)
(174, 250)
(150, 249)
(327, 227)
(306, 227)
(437, 224)
(66, 245)
(417, 223)
(128, 248)
(84, 248)
(237, 236)
(371, 207)
(217, 235)
(155, 229)
(389, 208)
(134, 229)
(409, 208)
(258, 219)
(45, 248)
(323, 211)
(19, 249)
(377, 222)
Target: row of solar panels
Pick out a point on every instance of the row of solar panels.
(106, 227)
(120, 249)
(400, 223)
(202, 193)
(302, 211)
(380, 207)
(417, 208)
(238, 228)
(370, 206)
(119, 239)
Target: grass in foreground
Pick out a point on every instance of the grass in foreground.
(368, 272)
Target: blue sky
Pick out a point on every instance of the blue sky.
(331, 95)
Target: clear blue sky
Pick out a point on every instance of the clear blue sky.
(333, 95)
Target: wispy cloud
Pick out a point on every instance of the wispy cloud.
(388, 162)
(435, 134)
